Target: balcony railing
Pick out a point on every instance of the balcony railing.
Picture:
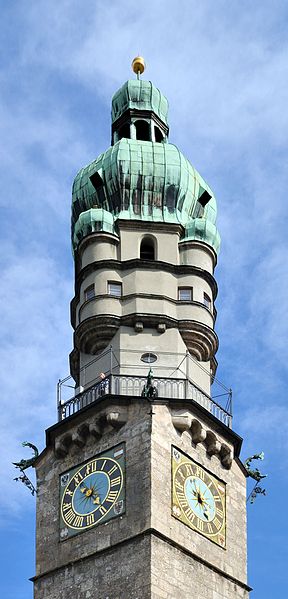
(173, 388)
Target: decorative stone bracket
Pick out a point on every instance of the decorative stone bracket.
(113, 416)
(184, 421)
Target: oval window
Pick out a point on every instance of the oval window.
(148, 358)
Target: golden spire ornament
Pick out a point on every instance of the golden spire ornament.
(138, 65)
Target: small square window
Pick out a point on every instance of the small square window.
(114, 288)
(185, 294)
(207, 301)
(89, 292)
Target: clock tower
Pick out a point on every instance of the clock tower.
(141, 492)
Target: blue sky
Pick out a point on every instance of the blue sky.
(223, 66)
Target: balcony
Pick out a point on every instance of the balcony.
(116, 383)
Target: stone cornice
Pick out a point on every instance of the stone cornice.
(94, 333)
(107, 401)
(149, 226)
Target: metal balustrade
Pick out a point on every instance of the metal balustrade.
(172, 388)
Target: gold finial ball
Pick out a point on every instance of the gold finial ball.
(138, 65)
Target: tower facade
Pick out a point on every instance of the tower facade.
(141, 492)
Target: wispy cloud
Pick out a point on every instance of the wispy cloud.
(223, 67)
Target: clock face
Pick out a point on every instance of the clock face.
(198, 498)
(92, 493)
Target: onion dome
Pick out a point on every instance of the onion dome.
(138, 94)
(90, 221)
(141, 176)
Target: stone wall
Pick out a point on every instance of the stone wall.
(113, 560)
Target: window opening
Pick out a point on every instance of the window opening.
(98, 185)
(124, 131)
(185, 294)
(203, 199)
(142, 130)
(207, 301)
(147, 250)
(89, 292)
(149, 358)
(115, 288)
(158, 134)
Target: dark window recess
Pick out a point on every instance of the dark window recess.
(147, 251)
(207, 301)
(124, 131)
(76, 209)
(89, 292)
(158, 135)
(170, 199)
(98, 185)
(142, 130)
(203, 199)
(149, 358)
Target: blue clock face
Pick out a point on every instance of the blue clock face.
(92, 493)
(200, 498)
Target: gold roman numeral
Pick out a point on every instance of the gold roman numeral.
(77, 478)
(102, 510)
(200, 524)
(189, 514)
(68, 492)
(210, 528)
(200, 473)
(217, 523)
(66, 506)
(180, 473)
(90, 519)
(112, 496)
(179, 485)
(189, 470)
(93, 466)
(69, 516)
(112, 469)
(103, 465)
(78, 521)
(115, 481)
(182, 499)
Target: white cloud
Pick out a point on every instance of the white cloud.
(223, 67)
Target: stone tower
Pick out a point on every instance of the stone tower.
(141, 492)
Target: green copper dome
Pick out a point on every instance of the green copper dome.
(139, 94)
(144, 180)
(142, 176)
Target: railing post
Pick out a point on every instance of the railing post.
(59, 400)
(187, 374)
(111, 359)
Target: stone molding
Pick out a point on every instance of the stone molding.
(112, 416)
(96, 332)
(183, 420)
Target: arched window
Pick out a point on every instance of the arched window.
(158, 134)
(147, 249)
(124, 131)
(142, 130)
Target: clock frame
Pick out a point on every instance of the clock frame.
(198, 498)
(93, 492)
